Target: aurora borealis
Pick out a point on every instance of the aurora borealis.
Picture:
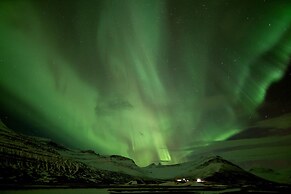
(142, 79)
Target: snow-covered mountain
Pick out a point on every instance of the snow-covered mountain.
(211, 169)
(263, 149)
(34, 160)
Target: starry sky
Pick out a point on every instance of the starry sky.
(142, 78)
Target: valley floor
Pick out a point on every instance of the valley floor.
(150, 189)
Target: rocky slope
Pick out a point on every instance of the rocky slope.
(31, 160)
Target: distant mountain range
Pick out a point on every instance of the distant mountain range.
(27, 160)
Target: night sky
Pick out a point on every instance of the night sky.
(142, 78)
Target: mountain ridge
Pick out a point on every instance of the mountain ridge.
(32, 160)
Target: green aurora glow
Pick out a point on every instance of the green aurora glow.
(140, 78)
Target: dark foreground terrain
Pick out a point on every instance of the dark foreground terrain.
(199, 189)
(150, 189)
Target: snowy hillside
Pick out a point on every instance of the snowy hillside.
(279, 176)
(32, 160)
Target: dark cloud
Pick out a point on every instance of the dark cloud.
(112, 106)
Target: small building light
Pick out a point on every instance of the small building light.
(199, 180)
(182, 180)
